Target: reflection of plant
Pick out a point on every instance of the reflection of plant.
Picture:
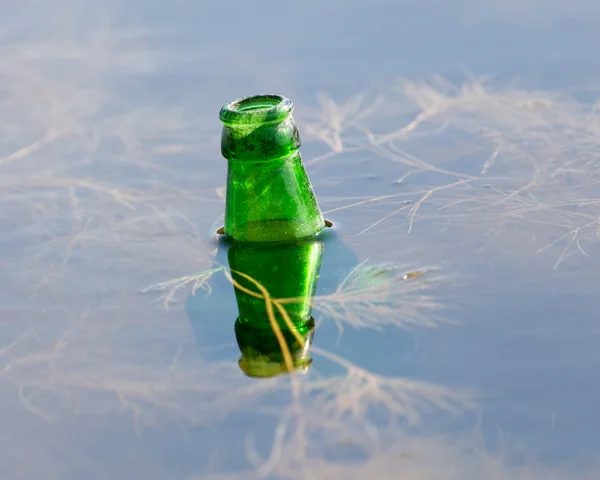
(78, 368)
(332, 407)
(198, 281)
(376, 295)
(370, 296)
(352, 425)
(412, 457)
(359, 409)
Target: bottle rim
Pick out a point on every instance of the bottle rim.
(256, 109)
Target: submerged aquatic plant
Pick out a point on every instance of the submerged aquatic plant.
(531, 158)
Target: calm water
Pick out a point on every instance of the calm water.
(459, 139)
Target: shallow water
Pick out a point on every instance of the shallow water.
(459, 140)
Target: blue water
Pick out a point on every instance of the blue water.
(455, 139)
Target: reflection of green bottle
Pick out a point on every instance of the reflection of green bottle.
(287, 271)
(286, 274)
(269, 195)
(262, 354)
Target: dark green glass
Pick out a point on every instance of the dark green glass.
(261, 352)
(269, 196)
(288, 272)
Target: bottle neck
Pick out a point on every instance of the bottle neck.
(262, 142)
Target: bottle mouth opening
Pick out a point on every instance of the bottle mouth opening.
(256, 109)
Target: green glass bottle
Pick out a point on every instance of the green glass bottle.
(269, 196)
(286, 274)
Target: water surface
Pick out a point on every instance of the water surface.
(455, 139)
